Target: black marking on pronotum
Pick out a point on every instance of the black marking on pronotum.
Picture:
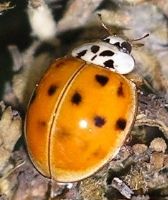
(93, 57)
(109, 63)
(126, 47)
(121, 124)
(120, 90)
(99, 121)
(117, 44)
(101, 79)
(52, 89)
(106, 40)
(76, 98)
(81, 53)
(95, 48)
(106, 53)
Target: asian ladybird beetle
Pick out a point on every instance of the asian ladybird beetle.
(82, 111)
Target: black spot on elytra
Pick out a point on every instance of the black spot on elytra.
(33, 97)
(63, 135)
(99, 153)
(106, 53)
(121, 124)
(120, 90)
(82, 53)
(76, 98)
(101, 79)
(109, 63)
(59, 64)
(93, 57)
(42, 123)
(95, 49)
(52, 89)
(99, 121)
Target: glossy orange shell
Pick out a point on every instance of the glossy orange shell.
(78, 118)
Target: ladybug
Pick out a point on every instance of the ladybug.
(82, 110)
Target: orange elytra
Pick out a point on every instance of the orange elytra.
(78, 118)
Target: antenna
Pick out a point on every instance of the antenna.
(134, 40)
(103, 24)
(109, 32)
(138, 44)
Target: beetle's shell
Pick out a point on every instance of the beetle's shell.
(106, 55)
(78, 118)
